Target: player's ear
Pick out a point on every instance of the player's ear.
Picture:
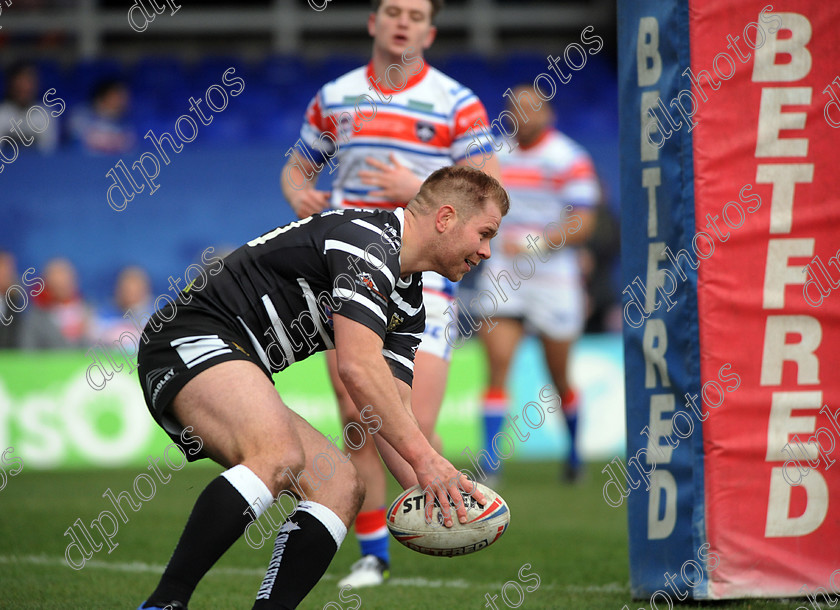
(372, 24)
(430, 37)
(444, 216)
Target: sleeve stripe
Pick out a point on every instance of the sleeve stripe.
(363, 300)
(370, 259)
(467, 99)
(415, 335)
(409, 364)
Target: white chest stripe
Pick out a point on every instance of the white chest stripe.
(369, 258)
(279, 330)
(312, 306)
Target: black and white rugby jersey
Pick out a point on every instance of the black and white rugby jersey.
(282, 288)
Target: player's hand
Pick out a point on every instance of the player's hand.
(306, 202)
(396, 181)
(440, 480)
(511, 246)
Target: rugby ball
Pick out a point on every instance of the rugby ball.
(406, 519)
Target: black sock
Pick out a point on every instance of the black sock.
(217, 520)
(303, 550)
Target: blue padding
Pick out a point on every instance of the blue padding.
(655, 550)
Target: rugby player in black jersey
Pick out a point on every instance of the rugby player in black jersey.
(347, 280)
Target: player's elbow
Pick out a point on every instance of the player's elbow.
(351, 371)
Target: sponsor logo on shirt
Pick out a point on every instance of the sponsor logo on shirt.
(345, 127)
(328, 314)
(425, 131)
(396, 320)
(391, 235)
(424, 106)
(365, 279)
(237, 346)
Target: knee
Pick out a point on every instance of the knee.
(285, 470)
(356, 492)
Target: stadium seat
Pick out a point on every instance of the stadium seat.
(332, 67)
(88, 73)
(287, 76)
(52, 75)
(209, 71)
(228, 127)
(158, 73)
(280, 129)
(281, 71)
(519, 68)
(466, 68)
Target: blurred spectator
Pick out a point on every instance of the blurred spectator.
(9, 334)
(22, 90)
(101, 126)
(132, 291)
(58, 317)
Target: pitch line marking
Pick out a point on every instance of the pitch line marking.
(138, 567)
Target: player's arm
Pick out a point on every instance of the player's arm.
(369, 381)
(577, 227)
(401, 469)
(298, 180)
(581, 192)
(300, 174)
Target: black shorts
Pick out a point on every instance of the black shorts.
(193, 341)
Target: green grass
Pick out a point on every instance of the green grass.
(572, 539)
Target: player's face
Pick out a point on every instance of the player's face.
(400, 24)
(538, 120)
(467, 241)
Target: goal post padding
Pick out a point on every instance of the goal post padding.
(730, 222)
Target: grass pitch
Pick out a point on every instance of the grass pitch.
(572, 539)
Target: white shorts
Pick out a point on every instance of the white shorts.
(438, 296)
(551, 303)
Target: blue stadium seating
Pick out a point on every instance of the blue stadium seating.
(223, 187)
(333, 67)
(86, 74)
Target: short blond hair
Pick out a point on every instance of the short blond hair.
(465, 188)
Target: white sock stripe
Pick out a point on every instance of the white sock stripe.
(251, 487)
(326, 516)
(382, 531)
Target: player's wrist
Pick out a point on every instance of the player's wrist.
(417, 451)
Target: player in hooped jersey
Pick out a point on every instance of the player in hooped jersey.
(382, 128)
(344, 280)
(554, 191)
